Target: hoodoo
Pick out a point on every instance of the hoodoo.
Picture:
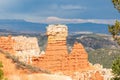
(56, 57)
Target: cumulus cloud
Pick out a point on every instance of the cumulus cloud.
(55, 20)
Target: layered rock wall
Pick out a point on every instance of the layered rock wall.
(26, 47)
(56, 48)
(78, 58)
(7, 43)
(23, 47)
(57, 35)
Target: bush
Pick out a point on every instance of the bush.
(1, 72)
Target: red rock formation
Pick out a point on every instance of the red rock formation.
(56, 57)
(26, 47)
(7, 43)
(56, 40)
(78, 58)
(56, 49)
(23, 47)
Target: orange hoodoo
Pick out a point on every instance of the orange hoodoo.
(56, 57)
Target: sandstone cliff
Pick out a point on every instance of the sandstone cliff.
(26, 47)
(23, 47)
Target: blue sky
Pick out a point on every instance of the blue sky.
(60, 11)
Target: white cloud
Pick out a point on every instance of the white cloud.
(72, 7)
(55, 20)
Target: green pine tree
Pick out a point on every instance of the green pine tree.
(116, 69)
(116, 4)
(115, 32)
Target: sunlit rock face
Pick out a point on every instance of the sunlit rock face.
(7, 43)
(23, 47)
(26, 47)
(78, 58)
(57, 35)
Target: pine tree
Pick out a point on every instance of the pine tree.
(115, 32)
(116, 4)
(116, 69)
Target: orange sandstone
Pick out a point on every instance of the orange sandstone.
(56, 57)
(7, 43)
(78, 58)
(96, 76)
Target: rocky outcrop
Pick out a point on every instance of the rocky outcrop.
(78, 58)
(57, 35)
(56, 57)
(7, 43)
(26, 47)
(23, 47)
(56, 49)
